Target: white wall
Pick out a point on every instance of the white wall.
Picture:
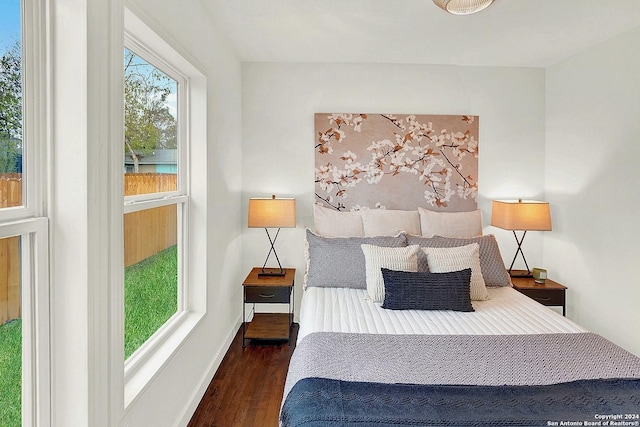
(592, 169)
(279, 101)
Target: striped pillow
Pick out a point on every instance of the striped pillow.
(377, 257)
(494, 272)
(444, 260)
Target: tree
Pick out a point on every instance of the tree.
(149, 124)
(11, 109)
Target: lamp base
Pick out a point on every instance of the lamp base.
(271, 272)
(520, 273)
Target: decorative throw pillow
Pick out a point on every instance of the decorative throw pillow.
(451, 224)
(335, 262)
(494, 272)
(383, 222)
(443, 260)
(332, 223)
(376, 258)
(427, 291)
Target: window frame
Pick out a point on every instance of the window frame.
(29, 220)
(179, 198)
(190, 200)
(33, 55)
(180, 202)
(34, 306)
(139, 48)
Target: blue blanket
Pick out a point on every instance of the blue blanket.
(321, 402)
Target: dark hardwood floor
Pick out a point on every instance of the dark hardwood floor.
(247, 388)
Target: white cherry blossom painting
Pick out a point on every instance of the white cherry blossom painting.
(396, 161)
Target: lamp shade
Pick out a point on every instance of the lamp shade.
(272, 213)
(463, 7)
(521, 215)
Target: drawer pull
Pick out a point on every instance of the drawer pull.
(542, 299)
(267, 295)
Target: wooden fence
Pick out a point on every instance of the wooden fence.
(10, 190)
(145, 232)
(148, 232)
(9, 279)
(144, 183)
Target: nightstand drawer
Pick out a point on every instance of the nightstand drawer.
(266, 294)
(548, 293)
(545, 296)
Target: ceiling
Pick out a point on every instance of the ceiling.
(512, 33)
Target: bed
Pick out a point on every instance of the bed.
(367, 355)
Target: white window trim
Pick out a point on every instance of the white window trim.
(33, 60)
(130, 206)
(153, 58)
(34, 305)
(27, 220)
(144, 352)
(146, 363)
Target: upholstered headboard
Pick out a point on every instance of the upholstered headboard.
(396, 161)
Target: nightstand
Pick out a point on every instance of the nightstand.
(268, 290)
(548, 293)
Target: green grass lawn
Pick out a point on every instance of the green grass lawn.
(11, 373)
(150, 300)
(150, 297)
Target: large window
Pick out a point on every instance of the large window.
(24, 314)
(165, 192)
(152, 147)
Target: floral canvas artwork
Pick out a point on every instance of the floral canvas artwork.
(396, 161)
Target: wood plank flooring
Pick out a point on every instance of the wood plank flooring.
(247, 389)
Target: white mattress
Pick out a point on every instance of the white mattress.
(507, 312)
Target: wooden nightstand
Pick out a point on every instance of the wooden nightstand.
(268, 290)
(548, 293)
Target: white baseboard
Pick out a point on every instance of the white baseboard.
(206, 379)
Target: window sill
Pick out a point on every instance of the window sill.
(144, 365)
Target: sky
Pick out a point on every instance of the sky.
(9, 23)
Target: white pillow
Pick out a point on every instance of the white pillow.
(383, 222)
(444, 260)
(378, 257)
(332, 223)
(462, 225)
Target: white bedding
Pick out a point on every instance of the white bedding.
(506, 312)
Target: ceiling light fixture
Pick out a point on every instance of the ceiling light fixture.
(463, 7)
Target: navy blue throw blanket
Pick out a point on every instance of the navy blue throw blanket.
(321, 402)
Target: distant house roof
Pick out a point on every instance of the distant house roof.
(156, 157)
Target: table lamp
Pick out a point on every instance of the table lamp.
(272, 213)
(527, 215)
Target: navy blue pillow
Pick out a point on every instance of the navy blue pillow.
(405, 290)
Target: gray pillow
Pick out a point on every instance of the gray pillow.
(405, 290)
(494, 272)
(338, 262)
